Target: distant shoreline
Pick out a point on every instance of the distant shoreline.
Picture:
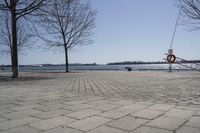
(149, 63)
(114, 63)
(97, 67)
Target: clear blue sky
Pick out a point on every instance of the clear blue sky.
(127, 30)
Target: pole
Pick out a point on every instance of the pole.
(170, 51)
(174, 33)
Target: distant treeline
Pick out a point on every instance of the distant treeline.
(150, 62)
(136, 62)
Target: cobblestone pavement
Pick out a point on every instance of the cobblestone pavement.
(101, 102)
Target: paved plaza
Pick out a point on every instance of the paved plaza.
(100, 102)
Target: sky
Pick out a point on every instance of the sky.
(126, 30)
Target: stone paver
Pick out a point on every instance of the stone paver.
(23, 129)
(188, 108)
(123, 111)
(51, 114)
(20, 108)
(168, 123)
(100, 102)
(162, 107)
(186, 129)
(106, 129)
(89, 123)
(127, 123)
(79, 107)
(184, 114)
(106, 107)
(51, 107)
(22, 113)
(146, 129)
(147, 114)
(194, 122)
(51, 123)
(83, 113)
(123, 102)
(63, 129)
(198, 113)
(75, 102)
(16, 122)
(2, 119)
(5, 111)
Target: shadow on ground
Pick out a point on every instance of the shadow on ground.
(8, 78)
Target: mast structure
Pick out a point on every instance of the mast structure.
(170, 51)
(174, 33)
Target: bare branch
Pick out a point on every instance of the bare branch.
(24, 37)
(27, 8)
(191, 13)
(4, 6)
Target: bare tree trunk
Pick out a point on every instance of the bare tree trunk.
(11, 55)
(14, 44)
(66, 60)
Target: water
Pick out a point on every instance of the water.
(136, 67)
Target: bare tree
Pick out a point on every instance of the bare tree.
(191, 10)
(17, 10)
(24, 36)
(67, 23)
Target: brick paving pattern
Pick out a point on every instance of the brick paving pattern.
(101, 102)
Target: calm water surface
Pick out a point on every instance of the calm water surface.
(99, 67)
